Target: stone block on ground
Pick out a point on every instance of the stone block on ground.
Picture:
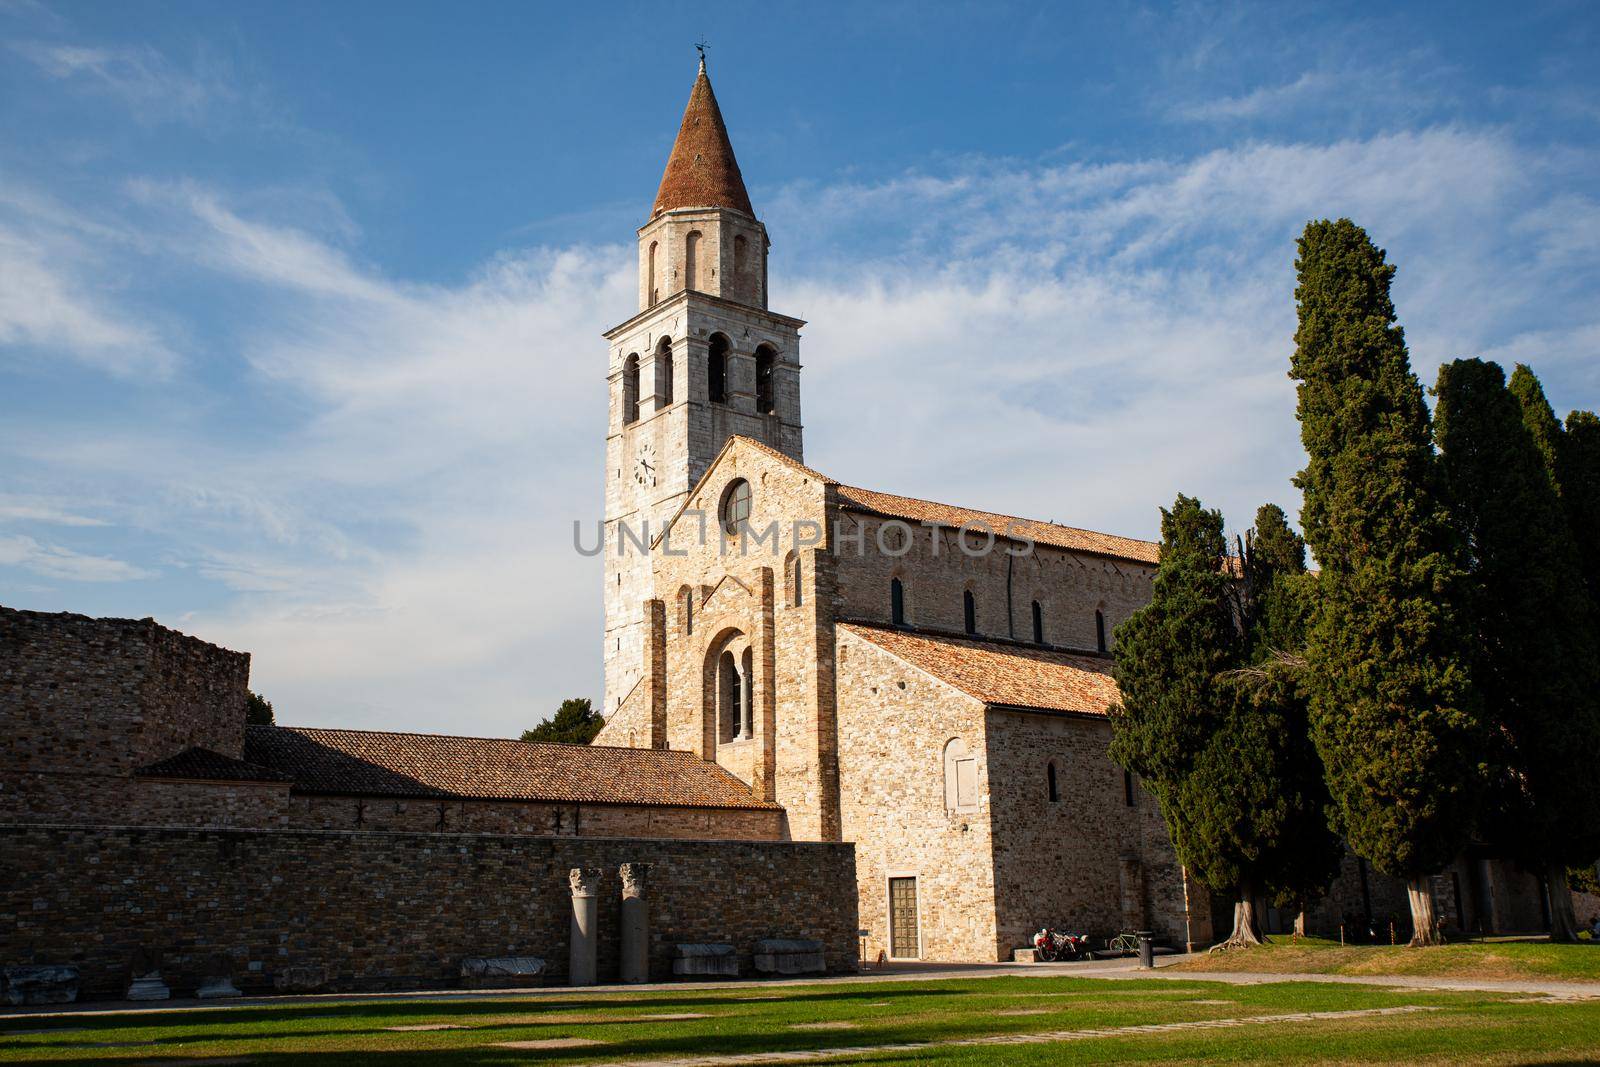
(1024, 955)
(217, 989)
(785, 956)
(714, 961)
(301, 979)
(149, 986)
(47, 984)
(484, 972)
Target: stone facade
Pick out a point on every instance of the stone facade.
(308, 910)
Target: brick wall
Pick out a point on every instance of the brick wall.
(350, 911)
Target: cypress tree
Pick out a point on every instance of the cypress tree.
(1538, 667)
(1538, 418)
(1578, 471)
(1221, 743)
(1392, 708)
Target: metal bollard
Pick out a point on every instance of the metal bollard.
(1147, 949)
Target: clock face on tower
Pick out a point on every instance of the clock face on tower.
(644, 468)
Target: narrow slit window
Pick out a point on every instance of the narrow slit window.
(969, 608)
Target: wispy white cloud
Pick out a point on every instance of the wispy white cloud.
(1265, 100)
(58, 561)
(50, 300)
(141, 78)
(31, 509)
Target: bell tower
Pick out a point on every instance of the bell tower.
(703, 359)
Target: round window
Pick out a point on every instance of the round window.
(736, 506)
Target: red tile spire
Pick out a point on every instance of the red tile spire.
(701, 172)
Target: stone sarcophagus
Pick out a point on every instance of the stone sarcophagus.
(783, 956)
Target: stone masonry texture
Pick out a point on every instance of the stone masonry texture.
(304, 910)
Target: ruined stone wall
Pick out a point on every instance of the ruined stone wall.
(97, 698)
(934, 571)
(1087, 861)
(894, 724)
(304, 910)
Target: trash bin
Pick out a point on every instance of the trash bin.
(1147, 949)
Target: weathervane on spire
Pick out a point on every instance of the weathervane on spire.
(701, 46)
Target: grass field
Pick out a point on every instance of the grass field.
(1475, 959)
(1004, 1020)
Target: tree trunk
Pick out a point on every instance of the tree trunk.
(1563, 923)
(1424, 931)
(1246, 922)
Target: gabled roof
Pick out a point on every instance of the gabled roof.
(377, 763)
(701, 171)
(1002, 673)
(204, 764)
(911, 509)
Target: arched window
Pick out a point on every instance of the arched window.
(1127, 788)
(1050, 775)
(654, 286)
(1038, 624)
(897, 602)
(766, 358)
(630, 389)
(969, 610)
(664, 372)
(717, 369)
(731, 691)
(791, 579)
(1100, 630)
(691, 260)
(747, 699)
(960, 777)
(686, 609)
(735, 508)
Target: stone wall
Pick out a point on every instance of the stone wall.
(1087, 861)
(534, 818)
(302, 910)
(1069, 586)
(105, 696)
(894, 724)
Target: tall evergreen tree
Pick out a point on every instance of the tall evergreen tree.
(1223, 747)
(1538, 665)
(1392, 707)
(1578, 471)
(1538, 418)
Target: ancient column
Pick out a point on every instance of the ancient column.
(635, 923)
(582, 965)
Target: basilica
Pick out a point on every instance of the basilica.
(871, 722)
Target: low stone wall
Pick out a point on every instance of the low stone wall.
(305, 909)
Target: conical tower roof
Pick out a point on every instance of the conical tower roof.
(701, 172)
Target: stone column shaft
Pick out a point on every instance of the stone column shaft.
(635, 923)
(583, 963)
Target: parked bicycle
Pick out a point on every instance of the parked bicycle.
(1052, 945)
(1124, 944)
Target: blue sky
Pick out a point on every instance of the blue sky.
(300, 303)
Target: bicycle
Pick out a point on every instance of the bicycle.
(1124, 944)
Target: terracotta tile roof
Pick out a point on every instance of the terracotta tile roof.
(1000, 672)
(375, 763)
(701, 172)
(214, 766)
(1044, 533)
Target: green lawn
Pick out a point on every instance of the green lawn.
(691, 1022)
(1474, 959)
